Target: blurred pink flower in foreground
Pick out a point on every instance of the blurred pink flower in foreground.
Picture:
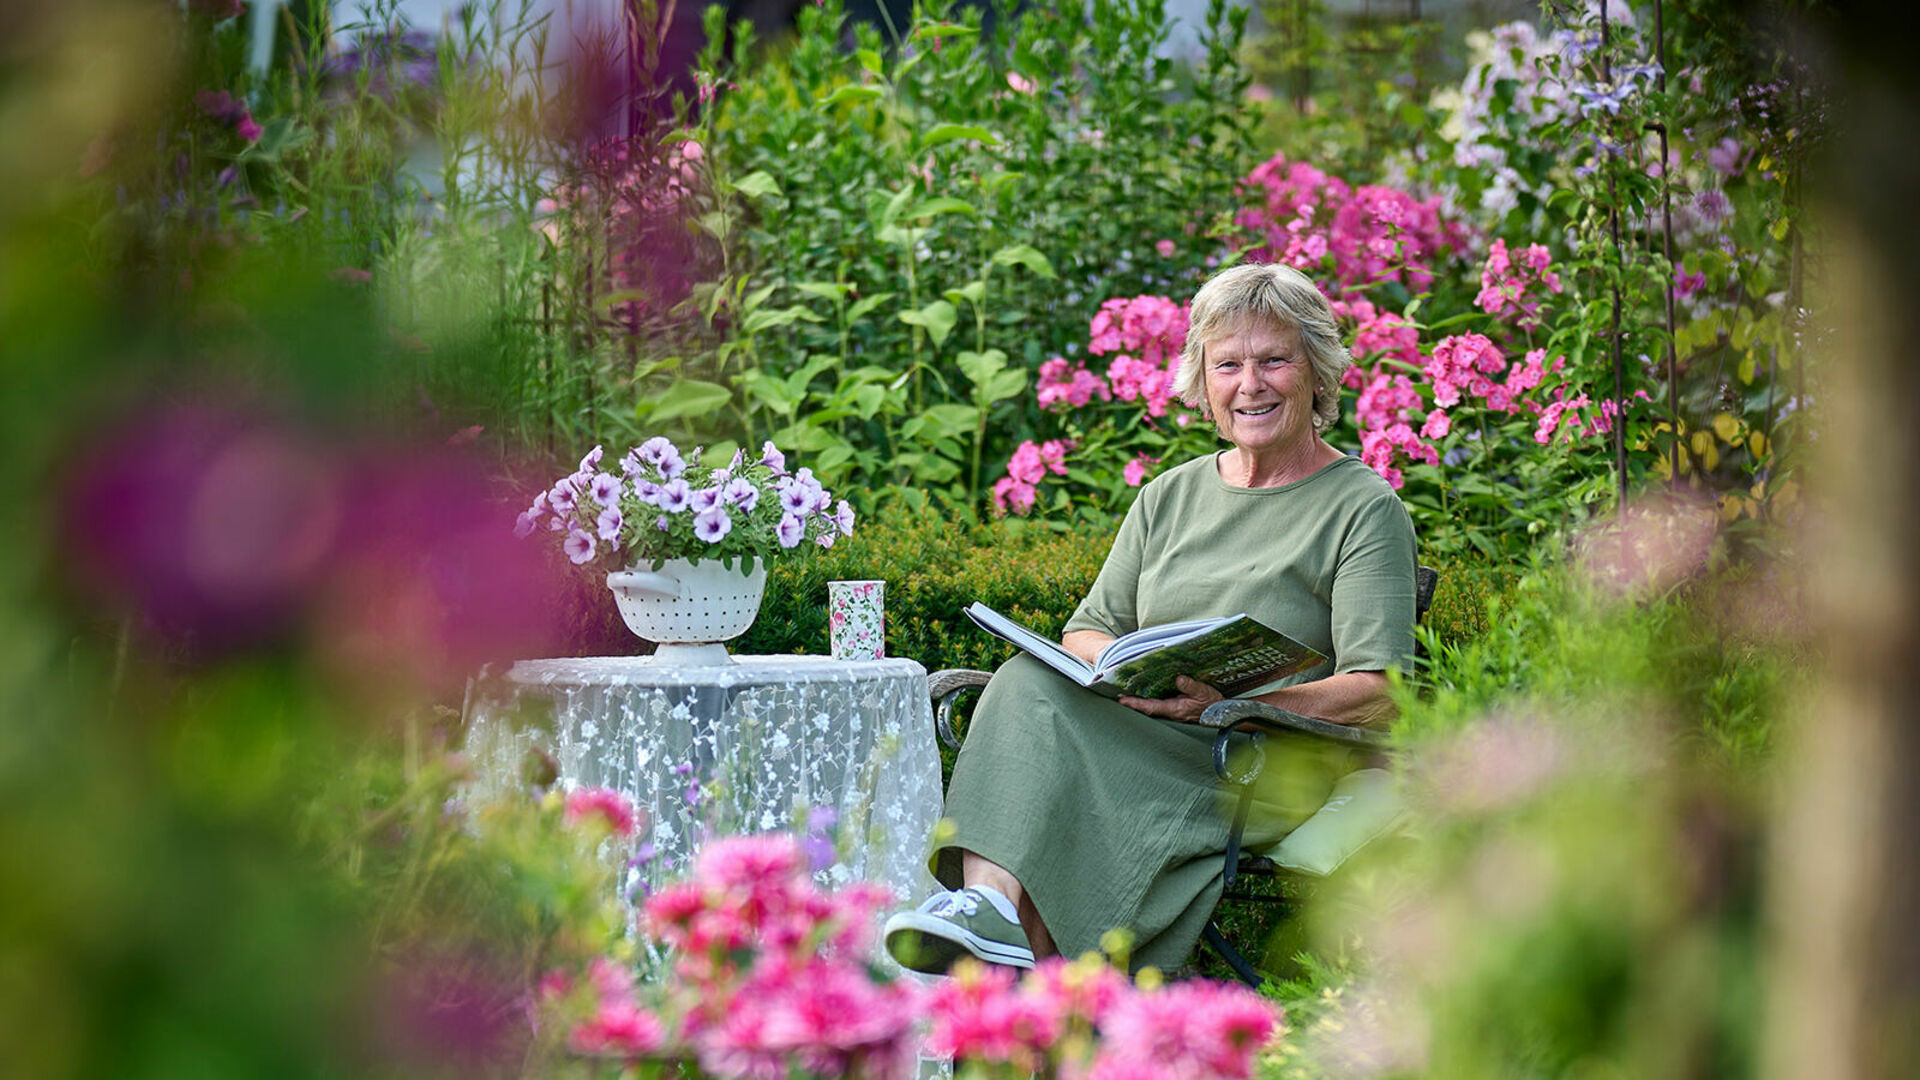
(771, 975)
(1653, 544)
(613, 810)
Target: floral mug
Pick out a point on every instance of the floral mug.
(856, 619)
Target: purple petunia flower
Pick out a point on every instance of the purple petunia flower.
(740, 492)
(655, 450)
(772, 458)
(604, 488)
(591, 461)
(647, 492)
(579, 546)
(791, 530)
(711, 525)
(826, 539)
(610, 522)
(675, 496)
(794, 497)
(844, 518)
(631, 465)
(706, 499)
(562, 498)
(663, 523)
(671, 466)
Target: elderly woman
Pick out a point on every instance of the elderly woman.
(1074, 815)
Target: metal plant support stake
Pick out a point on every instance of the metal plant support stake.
(1666, 240)
(1613, 231)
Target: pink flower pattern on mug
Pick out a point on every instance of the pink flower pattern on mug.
(856, 619)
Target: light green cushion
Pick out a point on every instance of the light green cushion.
(1363, 805)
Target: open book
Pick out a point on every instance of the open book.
(1234, 654)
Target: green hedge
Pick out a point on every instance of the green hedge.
(933, 569)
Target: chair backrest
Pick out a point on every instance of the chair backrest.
(1425, 580)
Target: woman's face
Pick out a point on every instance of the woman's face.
(1259, 387)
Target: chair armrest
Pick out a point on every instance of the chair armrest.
(945, 687)
(1258, 716)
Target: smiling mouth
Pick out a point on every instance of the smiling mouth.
(1261, 411)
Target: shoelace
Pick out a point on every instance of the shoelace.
(965, 903)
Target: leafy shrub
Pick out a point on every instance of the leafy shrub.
(934, 568)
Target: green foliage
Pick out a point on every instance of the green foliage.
(908, 229)
(933, 569)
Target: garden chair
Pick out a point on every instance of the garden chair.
(1363, 805)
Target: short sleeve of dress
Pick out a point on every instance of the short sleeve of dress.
(1112, 606)
(1373, 591)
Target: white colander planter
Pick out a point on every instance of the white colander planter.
(688, 608)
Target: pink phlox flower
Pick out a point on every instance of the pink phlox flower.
(1013, 496)
(1134, 473)
(1053, 453)
(1073, 385)
(1151, 327)
(1020, 83)
(1437, 425)
(1027, 464)
(613, 810)
(1527, 373)
(1165, 248)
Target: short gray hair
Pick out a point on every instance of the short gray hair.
(1277, 295)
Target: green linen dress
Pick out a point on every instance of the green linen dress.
(1110, 818)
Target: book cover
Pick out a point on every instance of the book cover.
(1235, 654)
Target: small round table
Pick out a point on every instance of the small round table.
(759, 744)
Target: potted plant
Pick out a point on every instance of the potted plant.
(687, 544)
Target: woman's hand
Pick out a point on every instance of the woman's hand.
(1194, 698)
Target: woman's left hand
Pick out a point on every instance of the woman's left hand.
(1193, 700)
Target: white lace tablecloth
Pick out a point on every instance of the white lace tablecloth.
(765, 741)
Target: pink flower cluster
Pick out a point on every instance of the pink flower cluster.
(1146, 334)
(1466, 370)
(1030, 464)
(1374, 234)
(1377, 334)
(1070, 385)
(1510, 291)
(769, 975)
(769, 979)
(612, 810)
